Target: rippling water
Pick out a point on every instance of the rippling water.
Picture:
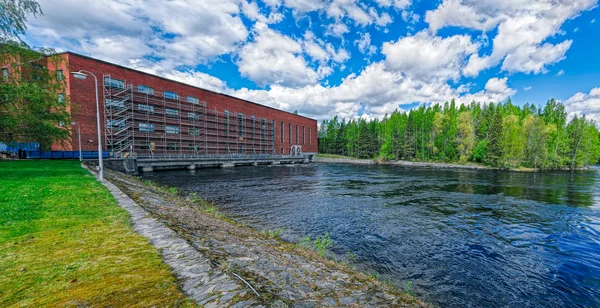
(461, 237)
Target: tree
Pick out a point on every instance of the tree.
(537, 135)
(512, 142)
(466, 137)
(494, 147)
(30, 106)
(13, 18)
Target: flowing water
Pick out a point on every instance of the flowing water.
(457, 237)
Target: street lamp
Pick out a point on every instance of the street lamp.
(78, 137)
(82, 76)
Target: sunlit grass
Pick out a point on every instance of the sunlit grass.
(65, 242)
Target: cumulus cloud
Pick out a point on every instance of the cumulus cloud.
(523, 27)
(585, 104)
(375, 91)
(427, 56)
(364, 44)
(275, 59)
(175, 31)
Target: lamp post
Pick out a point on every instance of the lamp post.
(78, 137)
(82, 76)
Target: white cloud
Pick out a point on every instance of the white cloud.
(376, 90)
(582, 104)
(198, 32)
(523, 27)
(495, 90)
(398, 4)
(364, 44)
(337, 29)
(560, 73)
(426, 56)
(527, 88)
(274, 58)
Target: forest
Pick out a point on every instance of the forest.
(500, 135)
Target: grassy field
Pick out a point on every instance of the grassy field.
(334, 156)
(65, 242)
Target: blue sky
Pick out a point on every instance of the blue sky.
(346, 57)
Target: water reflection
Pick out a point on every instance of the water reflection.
(462, 237)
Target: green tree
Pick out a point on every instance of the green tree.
(466, 137)
(512, 142)
(494, 146)
(30, 106)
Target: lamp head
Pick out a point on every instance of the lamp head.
(79, 75)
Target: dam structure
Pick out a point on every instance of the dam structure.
(149, 122)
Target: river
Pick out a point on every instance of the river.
(459, 238)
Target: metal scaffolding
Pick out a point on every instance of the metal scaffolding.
(140, 122)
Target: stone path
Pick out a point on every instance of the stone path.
(220, 263)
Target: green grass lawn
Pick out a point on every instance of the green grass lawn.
(334, 156)
(65, 242)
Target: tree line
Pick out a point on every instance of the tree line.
(500, 135)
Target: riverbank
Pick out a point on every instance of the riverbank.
(65, 242)
(327, 158)
(260, 268)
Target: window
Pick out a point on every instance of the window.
(241, 124)
(146, 127)
(59, 75)
(296, 133)
(253, 127)
(5, 73)
(310, 136)
(115, 123)
(193, 100)
(193, 116)
(194, 147)
(227, 123)
(264, 129)
(172, 129)
(61, 98)
(290, 133)
(303, 135)
(171, 95)
(173, 113)
(146, 108)
(194, 132)
(114, 83)
(145, 89)
(282, 151)
(282, 132)
(113, 103)
(274, 131)
(242, 149)
(172, 147)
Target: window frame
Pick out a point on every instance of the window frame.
(120, 84)
(147, 127)
(145, 89)
(194, 100)
(171, 95)
(171, 130)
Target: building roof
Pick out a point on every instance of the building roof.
(179, 82)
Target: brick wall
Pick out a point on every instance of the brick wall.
(82, 97)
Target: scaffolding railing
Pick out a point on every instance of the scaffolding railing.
(147, 123)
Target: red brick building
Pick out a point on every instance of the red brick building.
(143, 114)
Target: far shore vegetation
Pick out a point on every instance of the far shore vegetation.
(499, 135)
(64, 242)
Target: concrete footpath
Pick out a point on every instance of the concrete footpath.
(192, 270)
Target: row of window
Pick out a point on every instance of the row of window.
(116, 83)
(290, 134)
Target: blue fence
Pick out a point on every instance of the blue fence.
(65, 155)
